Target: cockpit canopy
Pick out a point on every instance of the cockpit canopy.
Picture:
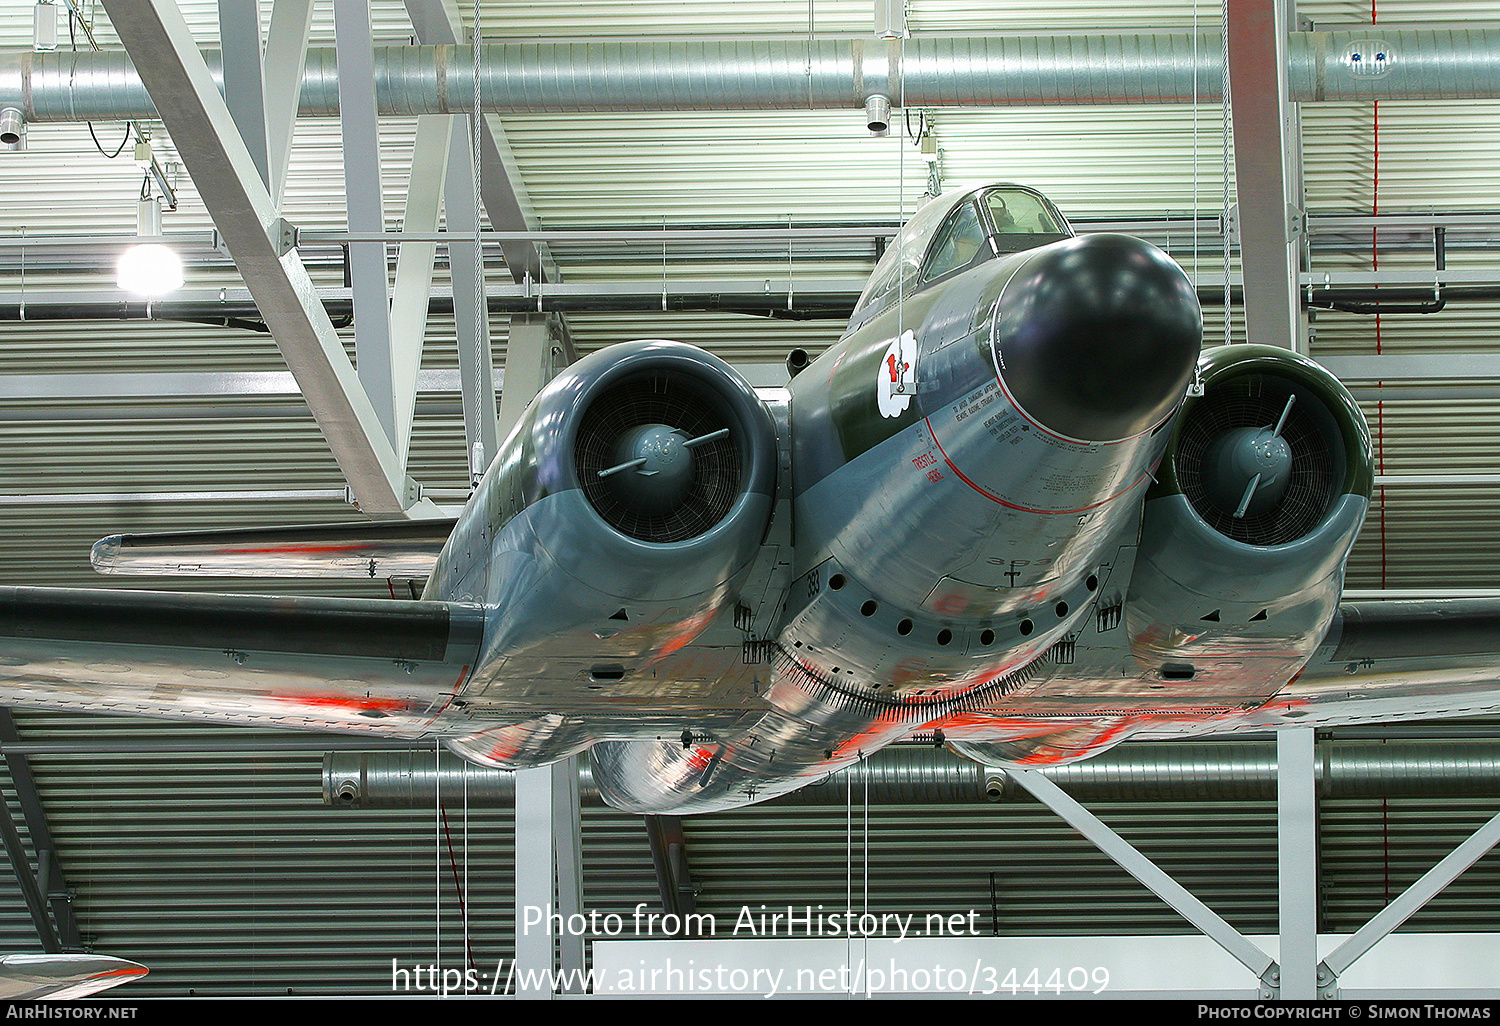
(956, 231)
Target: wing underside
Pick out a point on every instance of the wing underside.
(1434, 658)
(387, 667)
(1392, 661)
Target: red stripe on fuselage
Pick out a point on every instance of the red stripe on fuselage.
(1011, 505)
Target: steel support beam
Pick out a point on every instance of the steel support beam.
(1415, 367)
(1143, 869)
(195, 115)
(1414, 897)
(530, 362)
(370, 278)
(283, 64)
(1297, 862)
(1262, 116)
(52, 884)
(31, 893)
(414, 267)
(239, 33)
(669, 859)
(502, 191)
(471, 318)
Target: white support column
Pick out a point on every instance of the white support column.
(414, 263)
(285, 59)
(1297, 862)
(239, 44)
(567, 839)
(535, 852)
(1262, 124)
(529, 364)
(188, 102)
(362, 189)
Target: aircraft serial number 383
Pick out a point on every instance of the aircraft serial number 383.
(991, 516)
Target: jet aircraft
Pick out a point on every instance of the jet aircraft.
(1016, 510)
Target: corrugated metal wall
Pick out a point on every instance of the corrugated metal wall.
(225, 873)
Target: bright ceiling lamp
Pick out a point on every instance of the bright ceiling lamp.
(149, 268)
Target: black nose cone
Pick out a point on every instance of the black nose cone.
(1096, 337)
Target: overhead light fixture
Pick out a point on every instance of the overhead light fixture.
(149, 268)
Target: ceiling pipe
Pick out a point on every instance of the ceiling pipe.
(927, 71)
(808, 302)
(1171, 771)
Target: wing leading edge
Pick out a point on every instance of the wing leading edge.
(386, 548)
(388, 667)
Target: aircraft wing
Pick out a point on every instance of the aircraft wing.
(1401, 659)
(387, 667)
(1383, 662)
(385, 548)
(62, 977)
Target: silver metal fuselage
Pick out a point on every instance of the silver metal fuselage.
(931, 538)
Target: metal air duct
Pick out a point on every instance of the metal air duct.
(928, 71)
(1180, 771)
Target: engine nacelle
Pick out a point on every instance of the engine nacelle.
(1263, 489)
(621, 513)
(662, 462)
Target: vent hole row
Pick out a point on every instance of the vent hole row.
(945, 636)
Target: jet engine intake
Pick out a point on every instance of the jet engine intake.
(670, 448)
(640, 479)
(1258, 500)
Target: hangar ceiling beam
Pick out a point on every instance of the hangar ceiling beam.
(195, 115)
(282, 67)
(1269, 213)
(239, 33)
(501, 188)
